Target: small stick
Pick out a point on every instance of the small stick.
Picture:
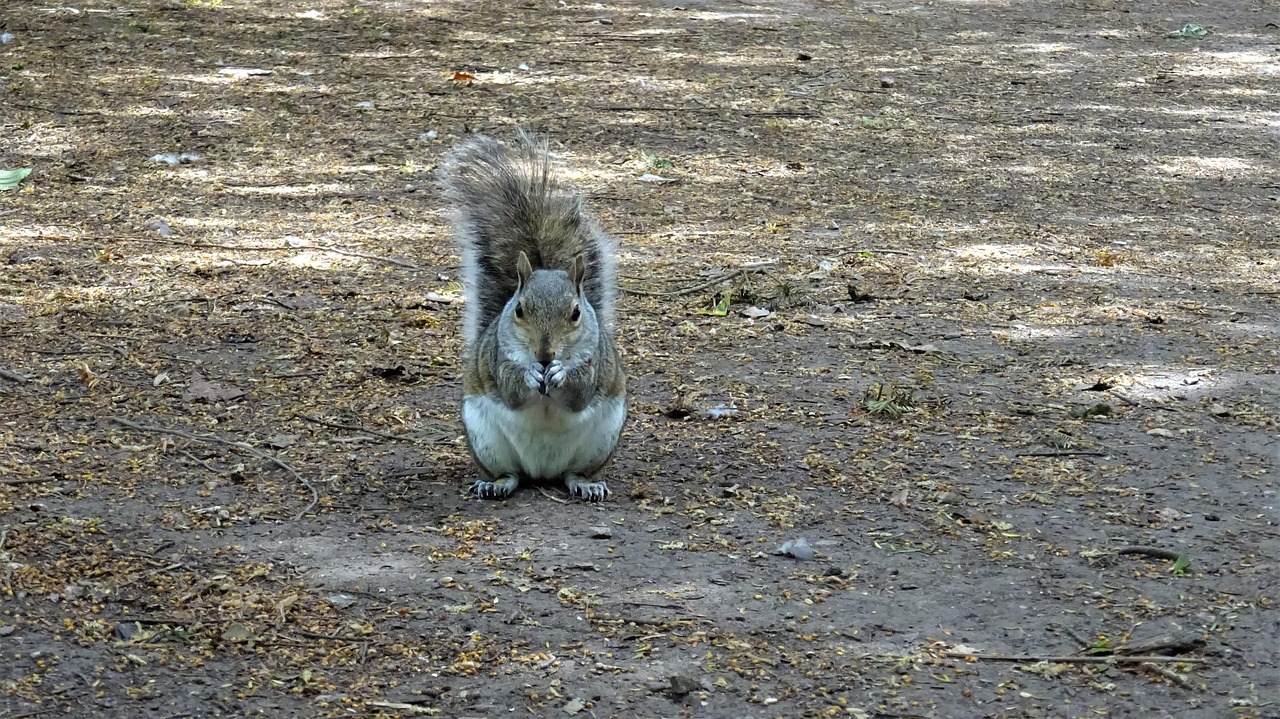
(687, 290)
(1156, 552)
(352, 427)
(25, 480)
(1169, 674)
(551, 496)
(365, 255)
(260, 248)
(245, 446)
(1124, 398)
(198, 461)
(1063, 453)
(14, 376)
(55, 111)
(1070, 660)
(872, 251)
(1084, 643)
(410, 472)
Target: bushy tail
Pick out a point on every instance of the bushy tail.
(504, 200)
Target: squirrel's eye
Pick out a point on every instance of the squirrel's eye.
(520, 311)
(576, 314)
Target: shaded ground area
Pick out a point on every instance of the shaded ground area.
(231, 482)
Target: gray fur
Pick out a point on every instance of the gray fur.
(504, 200)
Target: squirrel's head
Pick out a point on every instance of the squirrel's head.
(551, 312)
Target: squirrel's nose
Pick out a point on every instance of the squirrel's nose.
(545, 355)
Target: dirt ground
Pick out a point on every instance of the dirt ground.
(1017, 387)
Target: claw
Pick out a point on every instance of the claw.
(555, 373)
(587, 491)
(535, 376)
(499, 489)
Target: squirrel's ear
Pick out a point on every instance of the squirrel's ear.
(524, 269)
(579, 271)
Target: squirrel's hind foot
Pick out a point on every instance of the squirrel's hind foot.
(502, 488)
(583, 489)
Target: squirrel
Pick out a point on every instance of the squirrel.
(543, 388)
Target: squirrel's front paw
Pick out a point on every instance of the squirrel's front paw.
(555, 374)
(583, 488)
(497, 489)
(535, 376)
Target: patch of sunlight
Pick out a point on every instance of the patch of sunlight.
(1263, 60)
(1200, 166)
(1024, 169)
(1027, 333)
(1154, 384)
(1041, 47)
(729, 15)
(995, 252)
(148, 111)
(45, 140)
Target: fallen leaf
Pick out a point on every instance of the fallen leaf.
(720, 309)
(9, 179)
(200, 390)
(899, 498)
(237, 632)
(798, 548)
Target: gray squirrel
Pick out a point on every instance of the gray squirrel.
(544, 394)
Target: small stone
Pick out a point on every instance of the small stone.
(681, 685)
(601, 533)
(887, 82)
(6, 630)
(341, 601)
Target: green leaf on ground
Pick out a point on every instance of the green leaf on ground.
(1189, 30)
(9, 179)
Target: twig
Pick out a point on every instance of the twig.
(1156, 552)
(872, 251)
(687, 290)
(261, 248)
(14, 376)
(1165, 644)
(245, 446)
(1124, 398)
(124, 353)
(1084, 643)
(353, 428)
(645, 108)
(1069, 660)
(26, 480)
(321, 635)
(199, 461)
(365, 255)
(410, 472)
(551, 496)
(1169, 674)
(55, 111)
(1063, 453)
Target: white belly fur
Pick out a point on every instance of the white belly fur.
(542, 440)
